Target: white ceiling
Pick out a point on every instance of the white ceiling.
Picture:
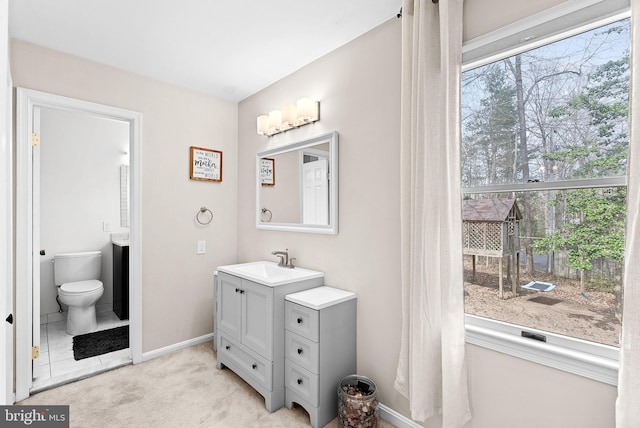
(227, 48)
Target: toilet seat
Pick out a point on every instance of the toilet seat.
(81, 287)
(80, 298)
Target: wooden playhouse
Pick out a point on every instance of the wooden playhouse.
(491, 228)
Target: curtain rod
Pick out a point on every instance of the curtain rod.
(399, 15)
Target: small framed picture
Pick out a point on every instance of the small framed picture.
(268, 171)
(206, 164)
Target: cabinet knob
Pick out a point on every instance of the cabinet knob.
(299, 320)
(299, 351)
(237, 289)
(241, 291)
(254, 366)
(227, 347)
(299, 381)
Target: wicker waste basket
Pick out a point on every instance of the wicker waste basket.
(358, 402)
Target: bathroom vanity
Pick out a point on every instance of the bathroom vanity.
(121, 278)
(320, 349)
(250, 322)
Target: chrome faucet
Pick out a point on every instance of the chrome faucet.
(284, 258)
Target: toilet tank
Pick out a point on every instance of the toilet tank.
(73, 267)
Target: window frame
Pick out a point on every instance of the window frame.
(584, 358)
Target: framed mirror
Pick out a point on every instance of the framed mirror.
(297, 186)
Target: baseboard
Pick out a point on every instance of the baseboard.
(395, 418)
(146, 356)
(386, 413)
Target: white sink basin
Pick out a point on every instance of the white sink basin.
(268, 273)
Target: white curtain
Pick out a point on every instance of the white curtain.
(431, 370)
(628, 404)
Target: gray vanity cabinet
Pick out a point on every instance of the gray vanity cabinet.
(250, 332)
(246, 313)
(320, 349)
(229, 307)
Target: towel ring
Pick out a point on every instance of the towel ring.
(202, 212)
(266, 212)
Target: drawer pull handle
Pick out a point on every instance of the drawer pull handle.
(299, 381)
(299, 320)
(299, 351)
(227, 347)
(254, 366)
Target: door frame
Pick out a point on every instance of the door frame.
(26, 101)
(321, 154)
(6, 213)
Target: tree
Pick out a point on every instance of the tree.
(605, 102)
(596, 229)
(489, 147)
(596, 226)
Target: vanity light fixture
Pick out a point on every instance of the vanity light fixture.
(303, 112)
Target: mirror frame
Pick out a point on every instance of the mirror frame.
(332, 227)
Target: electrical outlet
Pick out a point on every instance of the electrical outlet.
(202, 247)
(106, 226)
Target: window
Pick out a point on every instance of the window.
(544, 154)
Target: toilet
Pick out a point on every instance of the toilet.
(77, 276)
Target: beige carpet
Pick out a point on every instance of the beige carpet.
(183, 389)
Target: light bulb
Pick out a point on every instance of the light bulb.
(263, 124)
(289, 116)
(275, 121)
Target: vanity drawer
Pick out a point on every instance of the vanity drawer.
(302, 351)
(250, 362)
(302, 320)
(301, 381)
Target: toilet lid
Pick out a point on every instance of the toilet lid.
(81, 286)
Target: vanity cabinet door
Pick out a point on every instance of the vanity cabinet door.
(257, 318)
(230, 307)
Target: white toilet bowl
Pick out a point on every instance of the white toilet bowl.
(81, 298)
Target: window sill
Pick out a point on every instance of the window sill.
(591, 360)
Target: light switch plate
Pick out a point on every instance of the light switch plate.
(202, 247)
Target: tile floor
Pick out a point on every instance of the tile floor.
(57, 365)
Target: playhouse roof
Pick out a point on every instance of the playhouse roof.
(489, 209)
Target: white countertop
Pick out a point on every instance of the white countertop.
(120, 239)
(269, 273)
(320, 297)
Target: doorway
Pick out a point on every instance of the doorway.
(314, 172)
(28, 342)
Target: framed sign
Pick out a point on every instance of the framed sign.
(267, 171)
(206, 164)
